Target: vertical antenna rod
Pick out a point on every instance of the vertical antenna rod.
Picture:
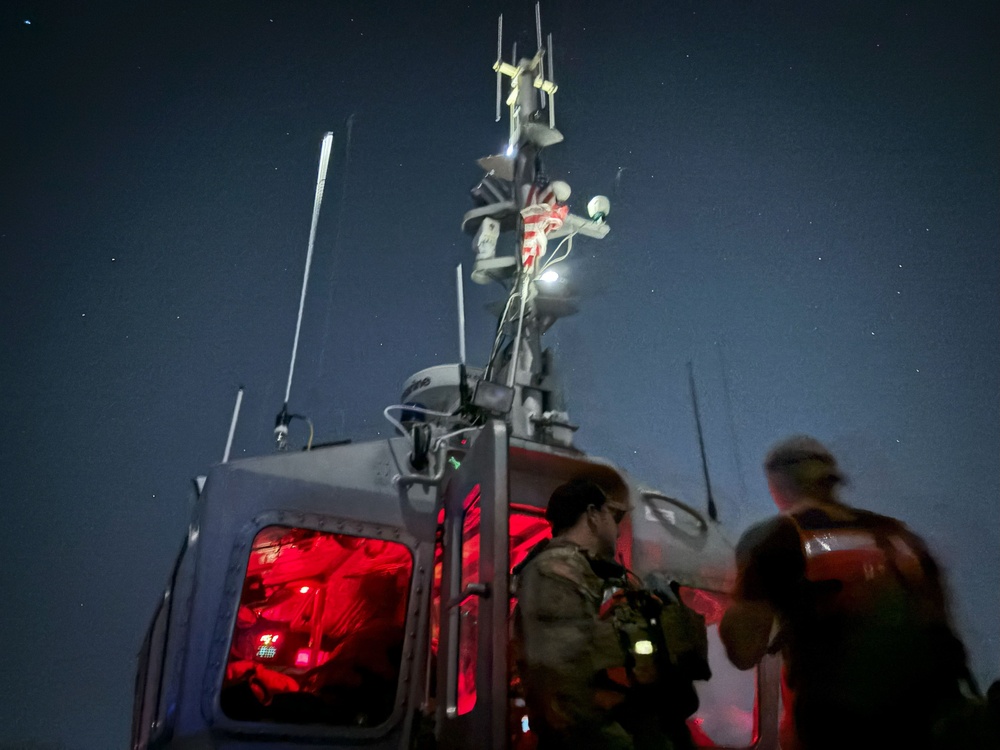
(712, 512)
(538, 36)
(499, 59)
(282, 420)
(324, 163)
(232, 425)
(552, 99)
(461, 312)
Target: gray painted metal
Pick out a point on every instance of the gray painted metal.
(485, 466)
(355, 489)
(347, 489)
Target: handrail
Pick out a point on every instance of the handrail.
(655, 495)
(432, 480)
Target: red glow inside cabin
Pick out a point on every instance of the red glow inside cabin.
(319, 630)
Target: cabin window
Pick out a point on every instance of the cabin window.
(319, 631)
(726, 715)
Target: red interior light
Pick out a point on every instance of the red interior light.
(302, 657)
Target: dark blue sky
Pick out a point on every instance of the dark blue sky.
(804, 204)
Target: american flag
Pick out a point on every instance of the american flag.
(542, 214)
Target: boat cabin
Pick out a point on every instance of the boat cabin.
(334, 596)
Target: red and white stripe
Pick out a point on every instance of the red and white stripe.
(541, 214)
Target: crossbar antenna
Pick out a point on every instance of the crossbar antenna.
(552, 99)
(712, 512)
(281, 423)
(538, 39)
(499, 60)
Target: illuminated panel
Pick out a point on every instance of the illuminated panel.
(468, 627)
(268, 647)
(318, 635)
(527, 528)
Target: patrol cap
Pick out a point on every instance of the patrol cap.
(570, 499)
(803, 457)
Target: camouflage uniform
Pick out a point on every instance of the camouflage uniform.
(572, 661)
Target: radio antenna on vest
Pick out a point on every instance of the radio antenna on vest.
(283, 418)
(712, 512)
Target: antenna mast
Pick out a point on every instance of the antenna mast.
(283, 418)
(516, 196)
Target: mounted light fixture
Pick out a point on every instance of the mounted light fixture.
(493, 397)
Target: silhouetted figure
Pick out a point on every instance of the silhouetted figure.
(854, 602)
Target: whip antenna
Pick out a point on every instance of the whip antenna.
(499, 60)
(281, 423)
(538, 37)
(232, 425)
(712, 512)
(552, 99)
(460, 287)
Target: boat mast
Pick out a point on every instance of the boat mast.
(516, 196)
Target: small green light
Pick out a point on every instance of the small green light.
(644, 648)
(455, 463)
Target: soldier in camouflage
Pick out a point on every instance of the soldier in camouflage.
(587, 683)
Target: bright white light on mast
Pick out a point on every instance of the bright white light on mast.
(549, 276)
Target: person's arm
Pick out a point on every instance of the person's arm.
(745, 631)
(769, 563)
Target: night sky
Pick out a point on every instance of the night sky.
(804, 205)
